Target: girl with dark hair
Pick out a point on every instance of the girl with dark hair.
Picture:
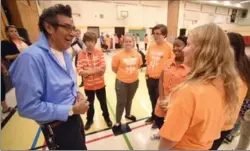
(242, 65)
(171, 76)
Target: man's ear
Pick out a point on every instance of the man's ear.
(49, 28)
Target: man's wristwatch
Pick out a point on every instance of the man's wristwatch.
(71, 111)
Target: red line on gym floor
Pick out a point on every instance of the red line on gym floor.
(106, 136)
(44, 147)
(99, 138)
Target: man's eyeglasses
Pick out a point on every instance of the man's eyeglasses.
(69, 28)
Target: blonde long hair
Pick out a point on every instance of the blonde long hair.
(213, 58)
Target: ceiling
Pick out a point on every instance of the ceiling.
(243, 4)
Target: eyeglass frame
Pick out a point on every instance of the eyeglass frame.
(69, 28)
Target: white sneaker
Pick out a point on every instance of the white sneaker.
(155, 137)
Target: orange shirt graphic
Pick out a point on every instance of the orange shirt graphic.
(127, 65)
(157, 56)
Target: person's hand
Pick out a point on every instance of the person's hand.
(99, 71)
(80, 97)
(5, 72)
(81, 107)
(164, 104)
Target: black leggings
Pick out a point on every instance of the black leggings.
(159, 121)
(3, 91)
(219, 141)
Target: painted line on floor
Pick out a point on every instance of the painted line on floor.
(44, 145)
(99, 138)
(36, 138)
(9, 116)
(109, 128)
(124, 135)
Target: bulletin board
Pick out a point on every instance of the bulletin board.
(141, 32)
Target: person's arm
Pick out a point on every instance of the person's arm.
(86, 73)
(140, 60)
(101, 70)
(166, 144)
(6, 50)
(80, 67)
(161, 90)
(27, 77)
(4, 69)
(11, 57)
(115, 63)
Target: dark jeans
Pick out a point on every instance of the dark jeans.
(152, 85)
(101, 96)
(219, 141)
(67, 136)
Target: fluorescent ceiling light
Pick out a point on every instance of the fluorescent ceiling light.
(227, 3)
(242, 2)
(214, 2)
(238, 5)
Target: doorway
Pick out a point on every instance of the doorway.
(119, 31)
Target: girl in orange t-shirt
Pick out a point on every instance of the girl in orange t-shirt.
(196, 110)
(126, 64)
(108, 42)
(171, 76)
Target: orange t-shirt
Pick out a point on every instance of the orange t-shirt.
(195, 115)
(89, 61)
(108, 42)
(231, 120)
(127, 65)
(172, 76)
(157, 56)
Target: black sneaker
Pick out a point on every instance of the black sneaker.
(131, 117)
(229, 139)
(117, 127)
(149, 120)
(88, 125)
(109, 123)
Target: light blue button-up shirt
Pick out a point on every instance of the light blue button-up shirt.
(45, 91)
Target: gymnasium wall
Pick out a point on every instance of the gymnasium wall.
(195, 14)
(107, 14)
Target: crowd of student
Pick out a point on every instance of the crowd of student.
(198, 87)
(193, 85)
